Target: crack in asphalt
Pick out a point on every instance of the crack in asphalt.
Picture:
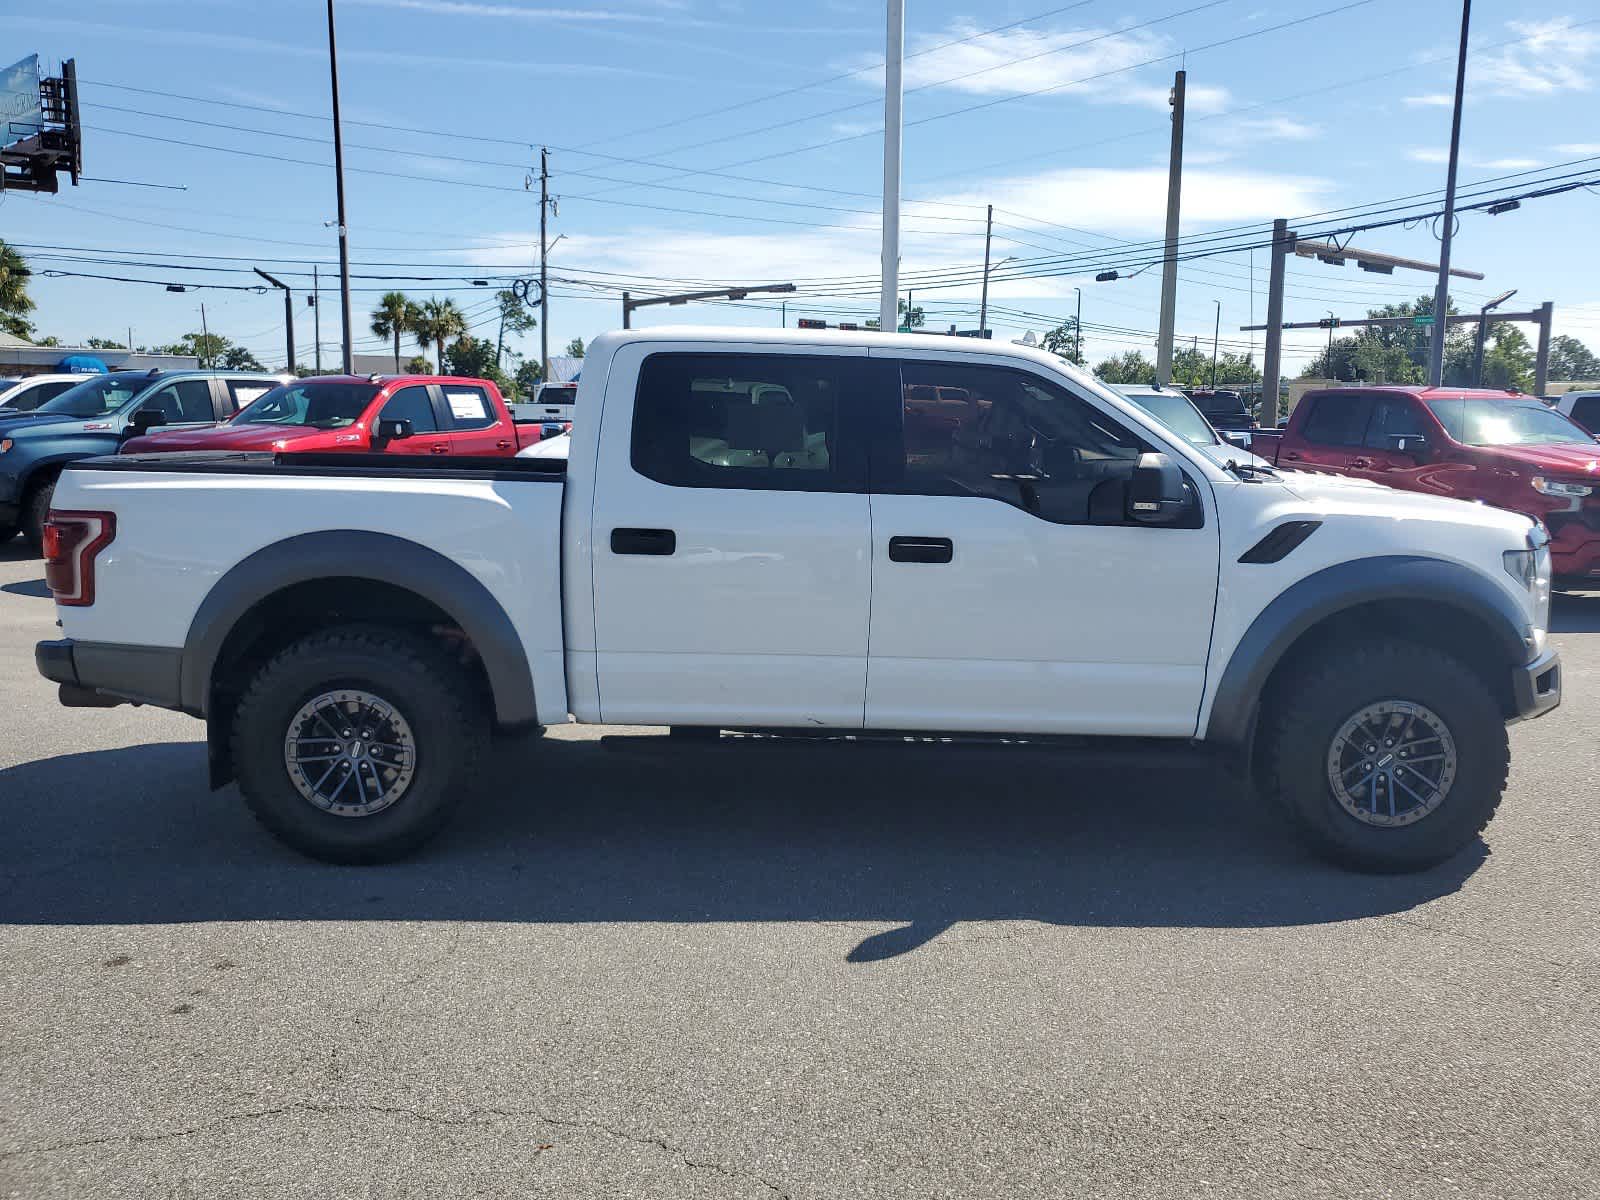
(474, 1116)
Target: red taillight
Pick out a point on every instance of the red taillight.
(71, 541)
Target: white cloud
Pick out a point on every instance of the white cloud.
(1578, 149)
(1276, 129)
(1431, 100)
(1427, 154)
(1552, 58)
(1091, 62)
(1424, 155)
(1506, 164)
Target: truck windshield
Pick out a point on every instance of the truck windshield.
(1177, 413)
(310, 405)
(1506, 423)
(101, 395)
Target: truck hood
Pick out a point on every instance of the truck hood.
(23, 424)
(1569, 460)
(1340, 496)
(251, 436)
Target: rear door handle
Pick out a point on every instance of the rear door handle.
(643, 541)
(1294, 454)
(1361, 463)
(438, 449)
(921, 549)
(502, 444)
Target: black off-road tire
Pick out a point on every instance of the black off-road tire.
(425, 686)
(7, 532)
(36, 511)
(1307, 714)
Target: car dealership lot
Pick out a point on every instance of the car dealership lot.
(636, 969)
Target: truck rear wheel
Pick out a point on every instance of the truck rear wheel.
(355, 745)
(36, 511)
(1388, 756)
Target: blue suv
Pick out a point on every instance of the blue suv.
(95, 418)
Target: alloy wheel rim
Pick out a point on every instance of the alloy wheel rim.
(1392, 763)
(350, 753)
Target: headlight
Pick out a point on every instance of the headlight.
(1554, 487)
(1522, 565)
(5, 444)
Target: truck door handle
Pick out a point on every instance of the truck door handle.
(502, 444)
(643, 541)
(1294, 454)
(921, 549)
(1361, 463)
(438, 449)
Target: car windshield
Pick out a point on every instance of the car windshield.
(101, 395)
(310, 405)
(1178, 414)
(1506, 423)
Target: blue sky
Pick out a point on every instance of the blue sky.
(738, 141)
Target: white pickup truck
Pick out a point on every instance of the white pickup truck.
(783, 531)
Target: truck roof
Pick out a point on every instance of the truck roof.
(1423, 392)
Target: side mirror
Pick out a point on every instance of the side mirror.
(393, 430)
(1413, 444)
(145, 420)
(1155, 493)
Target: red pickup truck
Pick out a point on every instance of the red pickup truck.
(1500, 448)
(394, 414)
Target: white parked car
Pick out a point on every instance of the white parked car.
(782, 530)
(1582, 407)
(24, 393)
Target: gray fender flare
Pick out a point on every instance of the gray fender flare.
(356, 554)
(1347, 585)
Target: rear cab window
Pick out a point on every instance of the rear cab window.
(469, 406)
(1336, 418)
(776, 422)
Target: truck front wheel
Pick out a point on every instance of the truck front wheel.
(354, 745)
(1388, 756)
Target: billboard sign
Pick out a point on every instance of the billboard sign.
(21, 114)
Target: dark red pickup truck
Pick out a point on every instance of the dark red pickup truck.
(1500, 448)
(396, 414)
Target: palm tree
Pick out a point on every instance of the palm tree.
(14, 300)
(435, 323)
(396, 314)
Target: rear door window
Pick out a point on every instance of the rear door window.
(242, 392)
(186, 402)
(1586, 412)
(468, 406)
(1337, 420)
(1392, 417)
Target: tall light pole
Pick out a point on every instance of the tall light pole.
(893, 56)
(1483, 329)
(983, 302)
(1077, 331)
(1216, 337)
(1169, 270)
(544, 273)
(1441, 294)
(338, 175)
(288, 316)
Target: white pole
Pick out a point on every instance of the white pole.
(893, 53)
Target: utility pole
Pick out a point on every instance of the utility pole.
(288, 317)
(344, 229)
(205, 335)
(983, 303)
(1169, 270)
(1272, 360)
(1441, 294)
(1541, 363)
(783, 317)
(544, 274)
(316, 318)
(1216, 337)
(1328, 354)
(1077, 330)
(893, 58)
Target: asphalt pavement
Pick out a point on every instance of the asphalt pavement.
(755, 969)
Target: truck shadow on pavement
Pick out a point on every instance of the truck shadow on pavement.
(633, 829)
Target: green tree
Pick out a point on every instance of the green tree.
(418, 365)
(98, 343)
(1127, 367)
(15, 303)
(475, 357)
(575, 348)
(52, 340)
(437, 322)
(395, 315)
(528, 377)
(1571, 359)
(515, 317)
(207, 347)
(1394, 353)
(1508, 362)
(911, 318)
(1063, 340)
(237, 358)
